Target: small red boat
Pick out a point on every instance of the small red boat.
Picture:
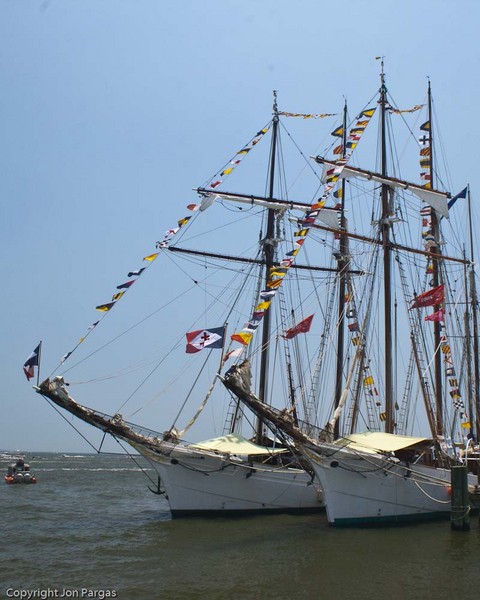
(19, 472)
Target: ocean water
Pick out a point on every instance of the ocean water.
(90, 528)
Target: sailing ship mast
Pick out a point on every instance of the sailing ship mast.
(387, 262)
(342, 267)
(269, 254)
(439, 205)
(434, 221)
(475, 414)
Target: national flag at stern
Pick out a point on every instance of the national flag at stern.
(32, 362)
(205, 338)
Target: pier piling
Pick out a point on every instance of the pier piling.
(460, 511)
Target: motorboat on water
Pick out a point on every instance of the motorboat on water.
(19, 472)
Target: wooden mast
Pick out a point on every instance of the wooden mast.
(475, 417)
(468, 350)
(387, 294)
(269, 253)
(342, 266)
(434, 223)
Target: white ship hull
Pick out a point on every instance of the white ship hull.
(199, 482)
(368, 488)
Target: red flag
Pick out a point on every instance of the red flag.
(429, 298)
(436, 316)
(302, 327)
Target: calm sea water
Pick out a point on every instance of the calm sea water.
(90, 525)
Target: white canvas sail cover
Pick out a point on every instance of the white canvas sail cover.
(236, 444)
(328, 216)
(437, 200)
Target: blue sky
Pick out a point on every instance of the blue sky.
(111, 111)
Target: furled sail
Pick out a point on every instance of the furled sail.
(436, 199)
(326, 215)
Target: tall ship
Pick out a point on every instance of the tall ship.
(224, 262)
(405, 409)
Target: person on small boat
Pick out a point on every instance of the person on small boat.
(19, 472)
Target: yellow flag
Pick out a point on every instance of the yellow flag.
(105, 307)
(277, 271)
(242, 337)
(151, 257)
(262, 306)
(338, 132)
(272, 285)
(367, 113)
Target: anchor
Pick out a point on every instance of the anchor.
(158, 491)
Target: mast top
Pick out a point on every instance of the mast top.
(382, 71)
(275, 107)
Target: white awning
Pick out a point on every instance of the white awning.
(236, 444)
(376, 441)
